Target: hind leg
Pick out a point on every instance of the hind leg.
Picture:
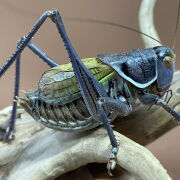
(92, 91)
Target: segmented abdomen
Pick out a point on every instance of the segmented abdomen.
(58, 103)
(71, 116)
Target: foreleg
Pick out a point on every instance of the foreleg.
(151, 99)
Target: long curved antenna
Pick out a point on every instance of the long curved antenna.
(177, 23)
(110, 24)
(30, 14)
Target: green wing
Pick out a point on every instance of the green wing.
(60, 86)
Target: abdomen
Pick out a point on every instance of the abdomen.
(58, 103)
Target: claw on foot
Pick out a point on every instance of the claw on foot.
(6, 135)
(112, 160)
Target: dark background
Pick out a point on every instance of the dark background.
(18, 16)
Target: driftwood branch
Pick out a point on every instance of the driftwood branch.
(146, 23)
(41, 153)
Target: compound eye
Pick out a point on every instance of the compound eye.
(169, 61)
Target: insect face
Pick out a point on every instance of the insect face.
(165, 67)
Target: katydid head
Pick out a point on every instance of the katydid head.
(165, 63)
(165, 67)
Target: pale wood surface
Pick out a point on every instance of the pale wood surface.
(41, 153)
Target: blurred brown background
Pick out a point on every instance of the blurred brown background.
(18, 16)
